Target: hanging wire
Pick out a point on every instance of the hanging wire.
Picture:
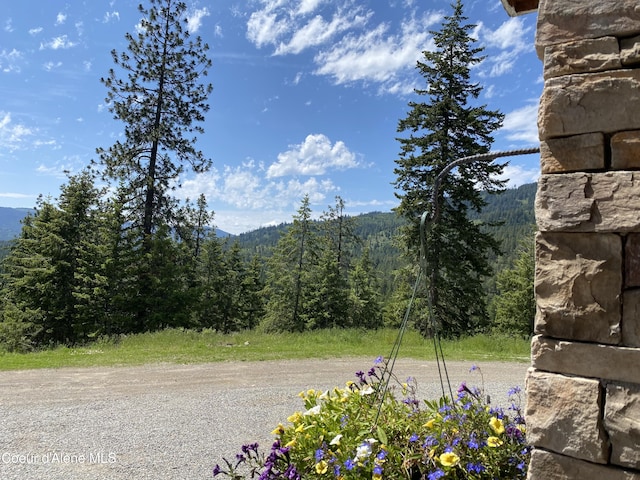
(426, 221)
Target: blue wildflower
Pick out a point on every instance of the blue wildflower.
(435, 475)
(414, 438)
(349, 464)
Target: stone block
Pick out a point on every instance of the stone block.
(630, 50)
(592, 102)
(582, 56)
(547, 465)
(625, 150)
(578, 284)
(572, 154)
(563, 415)
(632, 261)
(631, 319)
(559, 20)
(589, 202)
(589, 360)
(622, 424)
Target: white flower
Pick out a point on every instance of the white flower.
(368, 391)
(336, 440)
(363, 451)
(312, 411)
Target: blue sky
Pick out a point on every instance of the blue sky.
(307, 97)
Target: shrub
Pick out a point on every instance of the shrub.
(362, 431)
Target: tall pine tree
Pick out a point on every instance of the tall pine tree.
(156, 90)
(446, 126)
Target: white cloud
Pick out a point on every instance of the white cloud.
(522, 124)
(510, 39)
(8, 25)
(379, 56)
(61, 18)
(308, 6)
(346, 48)
(314, 156)
(35, 31)
(247, 191)
(194, 19)
(14, 195)
(317, 31)
(517, 175)
(264, 27)
(12, 135)
(51, 65)
(108, 16)
(9, 61)
(58, 43)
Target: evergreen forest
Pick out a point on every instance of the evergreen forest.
(68, 278)
(117, 253)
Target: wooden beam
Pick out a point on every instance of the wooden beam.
(519, 7)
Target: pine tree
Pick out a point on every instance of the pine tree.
(365, 304)
(515, 303)
(290, 274)
(156, 91)
(444, 128)
(157, 94)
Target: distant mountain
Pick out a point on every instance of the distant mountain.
(10, 218)
(510, 214)
(10, 225)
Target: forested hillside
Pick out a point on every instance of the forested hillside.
(508, 215)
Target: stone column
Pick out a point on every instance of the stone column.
(583, 387)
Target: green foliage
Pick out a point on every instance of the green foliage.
(364, 431)
(440, 131)
(155, 91)
(515, 305)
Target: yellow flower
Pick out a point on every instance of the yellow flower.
(432, 453)
(300, 428)
(449, 459)
(430, 423)
(295, 418)
(291, 443)
(494, 442)
(279, 430)
(322, 467)
(496, 425)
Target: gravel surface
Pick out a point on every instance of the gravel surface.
(168, 421)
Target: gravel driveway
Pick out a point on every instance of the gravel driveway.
(167, 421)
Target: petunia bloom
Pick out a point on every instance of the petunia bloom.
(449, 459)
(496, 425)
(494, 442)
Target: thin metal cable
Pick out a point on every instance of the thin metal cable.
(425, 221)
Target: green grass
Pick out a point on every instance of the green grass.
(184, 347)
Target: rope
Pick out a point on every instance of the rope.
(425, 222)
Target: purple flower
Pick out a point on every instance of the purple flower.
(475, 467)
(513, 391)
(217, 470)
(430, 441)
(414, 438)
(435, 475)
(360, 375)
(349, 464)
(474, 368)
(319, 454)
(377, 470)
(378, 360)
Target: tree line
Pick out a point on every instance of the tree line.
(117, 253)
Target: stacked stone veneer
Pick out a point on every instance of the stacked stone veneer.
(583, 390)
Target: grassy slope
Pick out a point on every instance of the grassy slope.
(176, 346)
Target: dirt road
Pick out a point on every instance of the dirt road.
(177, 421)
